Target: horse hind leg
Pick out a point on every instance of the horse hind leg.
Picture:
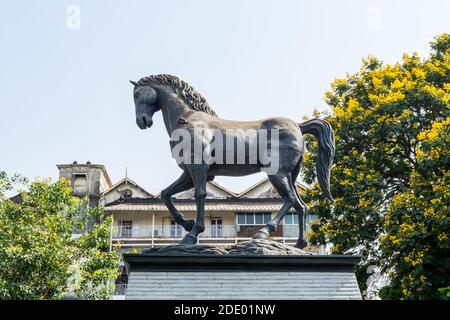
(300, 207)
(282, 183)
(302, 211)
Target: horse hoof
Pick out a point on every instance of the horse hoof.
(262, 234)
(188, 224)
(301, 244)
(189, 239)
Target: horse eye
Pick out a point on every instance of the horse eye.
(136, 95)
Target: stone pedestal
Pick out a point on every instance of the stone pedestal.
(175, 274)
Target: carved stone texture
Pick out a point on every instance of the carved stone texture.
(253, 247)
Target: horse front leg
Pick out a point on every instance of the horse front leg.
(199, 176)
(183, 183)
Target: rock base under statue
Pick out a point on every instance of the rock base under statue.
(254, 270)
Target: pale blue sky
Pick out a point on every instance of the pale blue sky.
(64, 94)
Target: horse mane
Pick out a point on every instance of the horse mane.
(189, 95)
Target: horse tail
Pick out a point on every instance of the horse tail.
(323, 132)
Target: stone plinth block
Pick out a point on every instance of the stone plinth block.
(192, 273)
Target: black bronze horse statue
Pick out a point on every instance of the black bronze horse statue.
(184, 109)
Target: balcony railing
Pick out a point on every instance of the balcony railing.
(211, 231)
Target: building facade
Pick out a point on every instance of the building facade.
(141, 220)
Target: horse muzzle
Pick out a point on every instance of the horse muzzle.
(144, 122)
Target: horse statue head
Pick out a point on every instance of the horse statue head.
(146, 103)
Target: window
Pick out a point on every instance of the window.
(126, 194)
(126, 228)
(249, 218)
(79, 180)
(259, 219)
(216, 228)
(80, 183)
(253, 218)
(175, 229)
(291, 218)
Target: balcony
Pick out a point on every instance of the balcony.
(141, 236)
(219, 231)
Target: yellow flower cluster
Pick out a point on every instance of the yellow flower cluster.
(353, 104)
(338, 111)
(307, 157)
(406, 229)
(391, 97)
(415, 257)
(418, 73)
(401, 199)
(364, 202)
(339, 83)
(435, 201)
(442, 236)
(438, 93)
(437, 67)
(397, 84)
(360, 177)
(439, 187)
(411, 60)
(326, 229)
(336, 248)
(347, 171)
(352, 109)
(314, 191)
(406, 292)
(376, 81)
(436, 129)
(405, 114)
(431, 213)
(347, 183)
(419, 154)
(394, 240)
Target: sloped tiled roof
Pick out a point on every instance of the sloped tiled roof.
(229, 204)
(244, 193)
(128, 180)
(229, 201)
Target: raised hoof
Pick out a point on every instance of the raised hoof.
(188, 224)
(262, 234)
(301, 244)
(189, 239)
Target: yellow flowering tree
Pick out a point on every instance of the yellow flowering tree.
(417, 222)
(391, 174)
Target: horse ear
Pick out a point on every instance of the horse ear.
(133, 83)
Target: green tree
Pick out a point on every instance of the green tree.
(391, 174)
(39, 256)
